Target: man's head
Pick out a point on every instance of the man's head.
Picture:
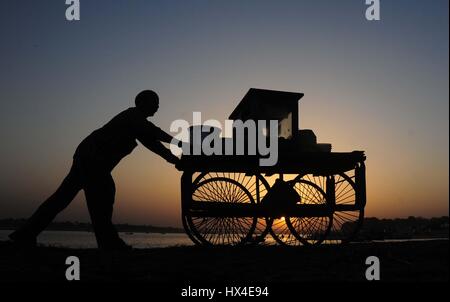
(147, 102)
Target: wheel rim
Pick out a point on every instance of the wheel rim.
(281, 233)
(346, 224)
(188, 230)
(309, 230)
(221, 230)
(257, 186)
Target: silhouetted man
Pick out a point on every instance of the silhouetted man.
(93, 162)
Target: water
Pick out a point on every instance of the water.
(138, 240)
(87, 239)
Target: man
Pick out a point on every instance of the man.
(93, 162)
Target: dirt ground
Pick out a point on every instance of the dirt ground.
(399, 261)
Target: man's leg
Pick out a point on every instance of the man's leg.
(50, 208)
(100, 192)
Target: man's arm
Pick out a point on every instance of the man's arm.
(157, 147)
(161, 135)
(149, 130)
(151, 137)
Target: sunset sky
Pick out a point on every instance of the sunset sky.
(379, 86)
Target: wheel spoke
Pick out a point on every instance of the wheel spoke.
(226, 188)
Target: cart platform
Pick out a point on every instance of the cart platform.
(319, 163)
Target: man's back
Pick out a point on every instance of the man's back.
(117, 138)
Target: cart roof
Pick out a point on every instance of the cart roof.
(262, 104)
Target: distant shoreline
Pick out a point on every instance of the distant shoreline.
(181, 231)
(373, 228)
(12, 224)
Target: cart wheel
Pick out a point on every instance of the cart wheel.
(188, 230)
(221, 230)
(280, 232)
(346, 223)
(256, 184)
(309, 230)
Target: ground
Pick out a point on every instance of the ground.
(399, 261)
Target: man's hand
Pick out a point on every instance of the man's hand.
(178, 166)
(172, 158)
(175, 161)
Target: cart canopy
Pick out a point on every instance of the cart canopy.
(263, 104)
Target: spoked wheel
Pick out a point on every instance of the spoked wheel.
(346, 223)
(256, 185)
(212, 230)
(309, 230)
(346, 220)
(280, 232)
(188, 230)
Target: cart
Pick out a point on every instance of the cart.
(233, 200)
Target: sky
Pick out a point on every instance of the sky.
(379, 86)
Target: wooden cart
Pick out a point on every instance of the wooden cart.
(225, 197)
